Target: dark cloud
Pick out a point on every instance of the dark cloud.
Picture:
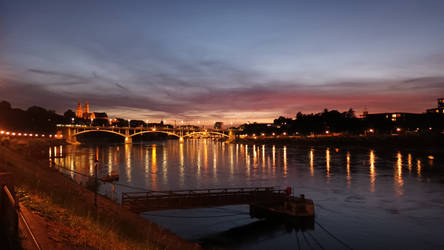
(432, 84)
(425, 80)
(54, 73)
(121, 86)
(217, 102)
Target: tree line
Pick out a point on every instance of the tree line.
(33, 120)
(331, 122)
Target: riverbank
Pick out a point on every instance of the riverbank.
(398, 142)
(65, 204)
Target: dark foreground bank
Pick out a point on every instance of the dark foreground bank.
(49, 191)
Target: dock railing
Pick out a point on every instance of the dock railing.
(194, 198)
(10, 219)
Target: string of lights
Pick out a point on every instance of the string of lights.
(9, 133)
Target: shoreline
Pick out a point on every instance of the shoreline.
(33, 175)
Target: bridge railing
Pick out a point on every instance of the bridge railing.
(84, 126)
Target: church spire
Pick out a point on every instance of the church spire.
(86, 108)
(79, 113)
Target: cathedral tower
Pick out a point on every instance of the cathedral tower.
(79, 113)
(86, 108)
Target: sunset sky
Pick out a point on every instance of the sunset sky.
(222, 60)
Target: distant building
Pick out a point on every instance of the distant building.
(99, 116)
(99, 119)
(189, 127)
(79, 111)
(85, 112)
(394, 117)
(160, 125)
(136, 123)
(439, 109)
(218, 125)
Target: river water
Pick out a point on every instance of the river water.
(364, 198)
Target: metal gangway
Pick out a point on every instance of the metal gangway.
(201, 198)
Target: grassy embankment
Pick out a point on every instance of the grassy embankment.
(75, 221)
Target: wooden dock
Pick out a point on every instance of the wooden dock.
(265, 197)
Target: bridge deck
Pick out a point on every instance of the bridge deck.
(187, 199)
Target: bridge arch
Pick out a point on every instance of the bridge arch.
(102, 131)
(157, 131)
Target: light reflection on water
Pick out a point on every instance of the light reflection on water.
(348, 168)
(327, 163)
(372, 171)
(358, 192)
(418, 164)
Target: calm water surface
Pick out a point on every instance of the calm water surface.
(366, 198)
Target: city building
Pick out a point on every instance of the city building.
(218, 125)
(86, 114)
(393, 117)
(439, 109)
(99, 116)
(79, 111)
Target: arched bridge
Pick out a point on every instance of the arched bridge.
(70, 132)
